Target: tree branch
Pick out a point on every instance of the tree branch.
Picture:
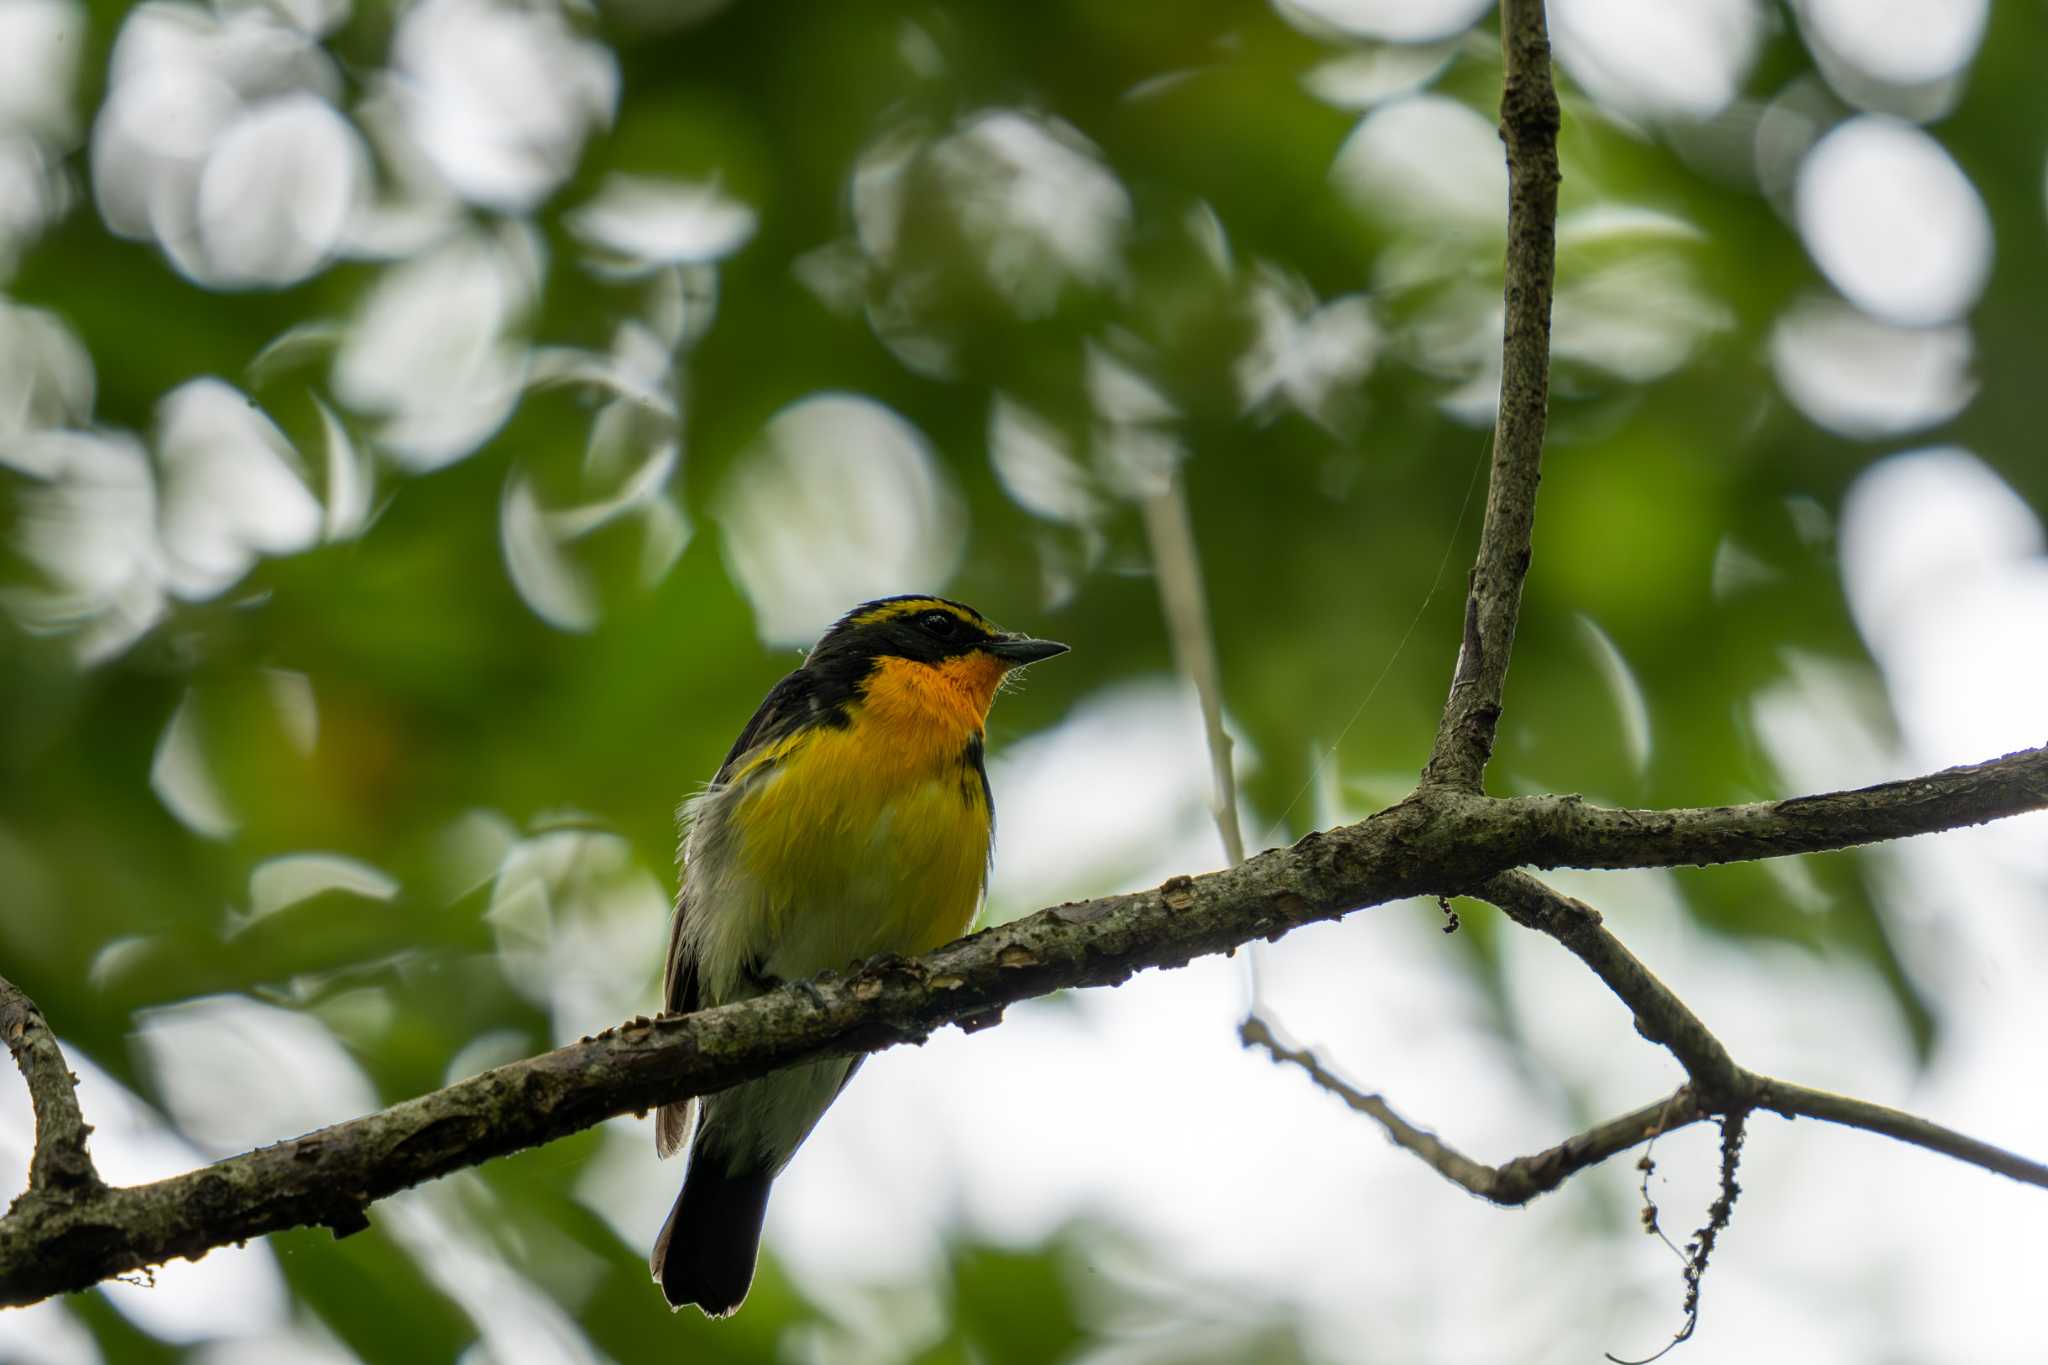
(1512, 1183)
(1186, 604)
(1528, 125)
(1798, 1101)
(1524, 1178)
(1718, 1087)
(1566, 831)
(1661, 1016)
(61, 1167)
(70, 1230)
(1434, 843)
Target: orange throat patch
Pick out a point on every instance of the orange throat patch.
(950, 698)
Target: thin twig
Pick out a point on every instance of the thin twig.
(1660, 1015)
(1186, 603)
(1520, 1180)
(1184, 599)
(1700, 1250)
(61, 1166)
(1434, 843)
(1733, 1128)
(1652, 1217)
(1528, 125)
(1799, 1101)
(1512, 1183)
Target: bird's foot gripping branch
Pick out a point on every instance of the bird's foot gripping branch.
(70, 1231)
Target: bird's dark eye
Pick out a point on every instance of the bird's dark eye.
(941, 623)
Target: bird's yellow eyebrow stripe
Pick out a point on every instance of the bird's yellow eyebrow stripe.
(915, 606)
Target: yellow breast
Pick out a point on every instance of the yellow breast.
(871, 837)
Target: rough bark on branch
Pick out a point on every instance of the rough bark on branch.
(1660, 1015)
(1524, 1178)
(70, 1231)
(60, 1164)
(1566, 831)
(1718, 1086)
(1512, 1183)
(1528, 125)
(1436, 842)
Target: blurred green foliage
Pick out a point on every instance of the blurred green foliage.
(1334, 519)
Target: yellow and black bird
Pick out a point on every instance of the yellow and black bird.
(851, 818)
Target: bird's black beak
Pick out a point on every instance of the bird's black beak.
(1018, 650)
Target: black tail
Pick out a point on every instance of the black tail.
(705, 1254)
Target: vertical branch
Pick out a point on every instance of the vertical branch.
(1528, 125)
(61, 1164)
(1186, 603)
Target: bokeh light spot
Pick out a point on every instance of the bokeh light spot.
(87, 524)
(644, 224)
(278, 190)
(432, 351)
(1894, 222)
(1944, 566)
(1426, 161)
(500, 97)
(1857, 376)
(1902, 42)
(1407, 21)
(1038, 202)
(1677, 57)
(231, 490)
(839, 500)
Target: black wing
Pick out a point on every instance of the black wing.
(786, 707)
(679, 994)
(674, 1123)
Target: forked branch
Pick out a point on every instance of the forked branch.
(1524, 1178)
(1441, 843)
(1512, 1183)
(70, 1231)
(1453, 779)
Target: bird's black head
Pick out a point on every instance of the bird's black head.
(923, 629)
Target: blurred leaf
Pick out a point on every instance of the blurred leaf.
(1009, 1306)
(489, 516)
(372, 1295)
